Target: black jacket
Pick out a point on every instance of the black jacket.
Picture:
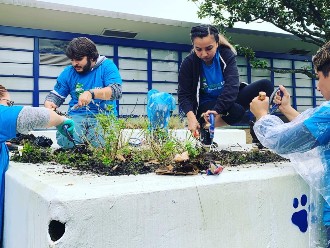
(189, 79)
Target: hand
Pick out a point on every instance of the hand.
(206, 115)
(193, 124)
(259, 107)
(70, 126)
(50, 105)
(284, 101)
(85, 98)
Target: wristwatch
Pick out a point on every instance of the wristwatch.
(92, 92)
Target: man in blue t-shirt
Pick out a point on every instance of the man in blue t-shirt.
(94, 84)
(305, 139)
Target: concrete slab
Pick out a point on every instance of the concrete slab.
(244, 207)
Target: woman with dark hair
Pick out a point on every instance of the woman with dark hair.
(19, 119)
(209, 83)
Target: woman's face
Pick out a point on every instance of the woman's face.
(205, 48)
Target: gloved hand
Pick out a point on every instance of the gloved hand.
(70, 127)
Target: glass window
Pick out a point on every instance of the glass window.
(164, 54)
(241, 60)
(164, 66)
(282, 63)
(52, 46)
(16, 42)
(132, 52)
(133, 64)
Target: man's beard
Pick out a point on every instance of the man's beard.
(86, 68)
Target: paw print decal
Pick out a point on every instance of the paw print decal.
(299, 218)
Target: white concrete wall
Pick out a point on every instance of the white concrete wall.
(244, 207)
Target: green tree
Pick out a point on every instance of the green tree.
(309, 20)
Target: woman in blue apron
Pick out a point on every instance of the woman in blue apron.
(19, 119)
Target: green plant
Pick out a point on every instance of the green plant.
(32, 154)
(163, 145)
(159, 150)
(110, 130)
(192, 149)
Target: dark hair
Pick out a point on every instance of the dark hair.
(204, 30)
(325, 69)
(80, 47)
(321, 59)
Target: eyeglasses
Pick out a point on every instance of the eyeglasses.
(9, 102)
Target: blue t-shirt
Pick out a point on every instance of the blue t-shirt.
(69, 82)
(8, 122)
(212, 81)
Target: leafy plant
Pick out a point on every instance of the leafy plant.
(192, 149)
(32, 154)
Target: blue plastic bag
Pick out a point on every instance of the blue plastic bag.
(160, 106)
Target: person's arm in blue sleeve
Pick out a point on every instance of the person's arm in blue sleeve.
(113, 81)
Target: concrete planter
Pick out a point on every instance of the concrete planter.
(242, 207)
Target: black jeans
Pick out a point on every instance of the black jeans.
(236, 112)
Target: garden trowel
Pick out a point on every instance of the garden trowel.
(70, 137)
(207, 133)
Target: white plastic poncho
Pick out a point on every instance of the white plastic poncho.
(306, 142)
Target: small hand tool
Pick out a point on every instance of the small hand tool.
(211, 127)
(70, 137)
(273, 106)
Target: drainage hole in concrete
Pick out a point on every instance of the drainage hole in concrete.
(56, 230)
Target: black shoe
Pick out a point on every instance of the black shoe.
(255, 139)
(253, 135)
(205, 137)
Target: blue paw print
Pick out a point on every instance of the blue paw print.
(299, 218)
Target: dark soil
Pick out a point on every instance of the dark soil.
(81, 159)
